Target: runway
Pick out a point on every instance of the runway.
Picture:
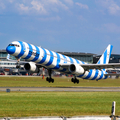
(61, 89)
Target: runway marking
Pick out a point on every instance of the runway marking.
(60, 89)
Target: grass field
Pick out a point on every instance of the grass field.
(21, 104)
(59, 82)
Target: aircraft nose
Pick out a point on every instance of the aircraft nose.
(10, 49)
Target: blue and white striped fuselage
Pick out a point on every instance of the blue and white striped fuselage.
(50, 59)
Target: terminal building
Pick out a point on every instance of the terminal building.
(114, 58)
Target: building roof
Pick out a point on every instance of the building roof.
(76, 53)
(3, 50)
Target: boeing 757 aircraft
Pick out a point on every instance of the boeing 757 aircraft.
(40, 57)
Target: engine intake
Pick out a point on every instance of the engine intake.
(31, 67)
(76, 69)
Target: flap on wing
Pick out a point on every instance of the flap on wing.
(65, 64)
(100, 66)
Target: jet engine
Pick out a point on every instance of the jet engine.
(76, 69)
(31, 67)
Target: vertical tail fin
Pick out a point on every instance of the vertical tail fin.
(104, 59)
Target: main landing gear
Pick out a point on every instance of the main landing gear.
(75, 80)
(17, 65)
(49, 79)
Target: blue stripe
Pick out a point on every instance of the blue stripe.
(98, 62)
(81, 75)
(83, 62)
(51, 59)
(77, 61)
(96, 74)
(58, 61)
(65, 59)
(71, 59)
(106, 77)
(44, 58)
(105, 57)
(89, 74)
(101, 76)
(37, 54)
(22, 50)
(30, 52)
(111, 47)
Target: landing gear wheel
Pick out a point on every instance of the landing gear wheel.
(75, 80)
(17, 66)
(50, 80)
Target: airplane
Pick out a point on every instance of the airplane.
(40, 57)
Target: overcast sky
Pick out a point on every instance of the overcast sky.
(62, 25)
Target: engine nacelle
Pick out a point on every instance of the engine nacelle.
(76, 69)
(31, 67)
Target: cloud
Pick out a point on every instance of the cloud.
(56, 3)
(110, 5)
(11, 1)
(70, 2)
(41, 6)
(82, 6)
(2, 5)
(38, 6)
(23, 7)
(112, 28)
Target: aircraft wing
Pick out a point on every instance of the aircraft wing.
(94, 66)
(100, 66)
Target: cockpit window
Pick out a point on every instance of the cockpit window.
(14, 45)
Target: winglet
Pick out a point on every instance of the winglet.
(104, 59)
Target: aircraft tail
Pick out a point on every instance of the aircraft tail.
(104, 59)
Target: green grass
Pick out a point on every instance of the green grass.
(59, 82)
(21, 104)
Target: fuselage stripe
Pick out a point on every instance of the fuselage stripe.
(37, 53)
(96, 74)
(101, 75)
(58, 61)
(77, 61)
(44, 56)
(71, 60)
(51, 58)
(30, 52)
(22, 51)
(89, 74)
(65, 59)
